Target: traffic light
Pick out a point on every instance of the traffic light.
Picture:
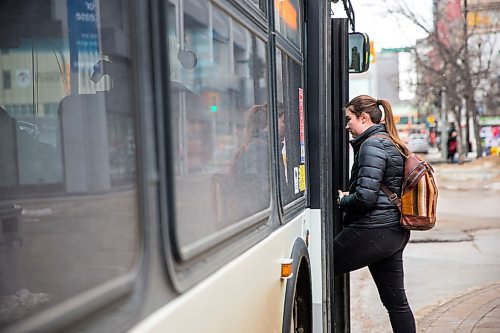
(213, 102)
(372, 52)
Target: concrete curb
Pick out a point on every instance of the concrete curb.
(441, 239)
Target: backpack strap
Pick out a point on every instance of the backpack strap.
(393, 197)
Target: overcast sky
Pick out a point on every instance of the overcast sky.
(385, 30)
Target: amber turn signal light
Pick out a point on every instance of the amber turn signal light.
(287, 268)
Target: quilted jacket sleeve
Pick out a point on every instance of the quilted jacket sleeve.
(372, 161)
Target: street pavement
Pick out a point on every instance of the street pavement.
(452, 272)
(476, 310)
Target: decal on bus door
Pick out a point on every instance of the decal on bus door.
(302, 177)
(301, 124)
(296, 179)
(283, 156)
(302, 168)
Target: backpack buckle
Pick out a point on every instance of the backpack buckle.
(393, 197)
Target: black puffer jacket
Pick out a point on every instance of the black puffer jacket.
(376, 162)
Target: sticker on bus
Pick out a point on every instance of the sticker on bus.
(302, 178)
(296, 179)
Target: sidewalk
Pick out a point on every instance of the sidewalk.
(482, 174)
(476, 311)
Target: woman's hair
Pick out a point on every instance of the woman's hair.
(370, 106)
(256, 121)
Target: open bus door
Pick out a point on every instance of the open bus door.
(339, 314)
(349, 54)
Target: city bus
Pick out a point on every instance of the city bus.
(171, 165)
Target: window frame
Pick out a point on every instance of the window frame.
(250, 9)
(281, 43)
(294, 207)
(186, 270)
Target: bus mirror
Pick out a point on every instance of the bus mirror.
(359, 52)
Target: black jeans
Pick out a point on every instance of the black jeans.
(382, 251)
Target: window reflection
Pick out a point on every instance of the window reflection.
(68, 216)
(288, 20)
(219, 119)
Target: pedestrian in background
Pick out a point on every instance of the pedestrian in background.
(372, 234)
(452, 145)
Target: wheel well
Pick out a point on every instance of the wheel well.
(304, 293)
(304, 278)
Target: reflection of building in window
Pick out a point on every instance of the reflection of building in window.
(288, 13)
(355, 59)
(288, 20)
(7, 82)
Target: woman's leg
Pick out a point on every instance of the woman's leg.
(355, 248)
(349, 250)
(389, 278)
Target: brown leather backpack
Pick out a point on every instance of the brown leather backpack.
(419, 192)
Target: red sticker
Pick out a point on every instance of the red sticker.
(301, 115)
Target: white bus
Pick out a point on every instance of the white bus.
(170, 165)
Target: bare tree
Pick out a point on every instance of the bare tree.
(458, 55)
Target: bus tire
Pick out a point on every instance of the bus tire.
(297, 315)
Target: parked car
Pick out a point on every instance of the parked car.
(418, 143)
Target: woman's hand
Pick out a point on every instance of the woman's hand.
(341, 195)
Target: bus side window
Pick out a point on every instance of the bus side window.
(219, 119)
(292, 139)
(69, 220)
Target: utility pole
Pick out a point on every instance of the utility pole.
(444, 125)
(466, 58)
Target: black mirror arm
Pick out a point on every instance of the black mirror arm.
(350, 13)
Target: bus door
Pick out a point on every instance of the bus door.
(349, 54)
(340, 156)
